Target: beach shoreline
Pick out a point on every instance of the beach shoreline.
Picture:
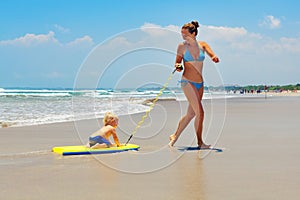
(77, 116)
(259, 138)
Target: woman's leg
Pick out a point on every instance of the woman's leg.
(194, 97)
(184, 121)
(199, 122)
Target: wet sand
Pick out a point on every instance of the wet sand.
(260, 159)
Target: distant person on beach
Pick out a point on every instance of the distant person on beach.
(100, 139)
(192, 52)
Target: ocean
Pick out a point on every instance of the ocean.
(24, 107)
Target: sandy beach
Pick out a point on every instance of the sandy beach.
(260, 158)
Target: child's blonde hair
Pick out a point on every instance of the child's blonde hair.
(108, 117)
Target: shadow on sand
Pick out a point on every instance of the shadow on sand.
(198, 148)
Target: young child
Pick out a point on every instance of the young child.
(100, 139)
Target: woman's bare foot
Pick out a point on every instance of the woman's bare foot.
(204, 146)
(172, 140)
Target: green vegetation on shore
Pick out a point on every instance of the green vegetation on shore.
(262, 87)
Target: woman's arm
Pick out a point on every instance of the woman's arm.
(209, 51)
(179, 56)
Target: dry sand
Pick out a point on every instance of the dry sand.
(260, 159)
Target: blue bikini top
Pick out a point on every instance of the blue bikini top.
(187, 57)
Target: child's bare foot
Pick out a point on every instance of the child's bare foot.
(204, 146)
(87, 145)
(172, 140)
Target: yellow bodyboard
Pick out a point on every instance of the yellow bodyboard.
(81, 150)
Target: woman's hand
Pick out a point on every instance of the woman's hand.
(178, 67)
(215, 59)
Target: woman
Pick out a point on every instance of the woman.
(192, 53)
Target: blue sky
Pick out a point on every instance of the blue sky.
(48, 43)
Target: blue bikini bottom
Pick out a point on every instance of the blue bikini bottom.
(198, 86)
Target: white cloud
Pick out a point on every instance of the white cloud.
(239, 39)
(61, 28)
(173, 28)
(85, 40)
(118, 41)
(236, 39)
(157, 30)
(271, 22)
(32, 39)
(290, 44)
(222, 33)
